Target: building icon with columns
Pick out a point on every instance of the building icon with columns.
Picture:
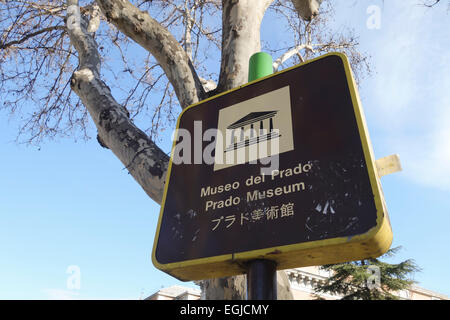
(255, 127)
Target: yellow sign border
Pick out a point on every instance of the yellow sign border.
(373, 243)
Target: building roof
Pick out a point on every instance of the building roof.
(175, 293)
(302, 281)
(251, 118)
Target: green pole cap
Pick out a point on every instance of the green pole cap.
(260, 65)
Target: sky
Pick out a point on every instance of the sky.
(75, 225)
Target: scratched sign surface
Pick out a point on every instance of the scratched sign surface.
(280, 169)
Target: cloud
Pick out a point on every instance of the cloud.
(427, 157)
(410, 96)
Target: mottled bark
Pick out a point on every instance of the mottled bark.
(241, 23)
(146, 31)
(231, 288)
(143, 159)
(307, 9)
(235, 288)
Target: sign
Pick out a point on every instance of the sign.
(280, 169)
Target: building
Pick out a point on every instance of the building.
(302, 281)
(244, 133)
(176, 293)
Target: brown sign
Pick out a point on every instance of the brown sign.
(279, 169)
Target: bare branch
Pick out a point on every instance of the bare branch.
(307, 9)
(29, 36)
(430, 4)
(314, 37)
(209, 85)
(144, 160)
(287, 55)
(37, 65)
(94, 22)
(151, 35)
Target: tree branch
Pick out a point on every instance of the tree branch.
(29, 36)
(141, 156)
(151, 35)
(287, 55)
(307, 9)
(429, 5)
(241, 24)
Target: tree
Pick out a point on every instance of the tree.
(368, 279)
(431, 3)
(71, 62)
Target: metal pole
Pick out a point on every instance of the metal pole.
(261, 274)
(261, 280)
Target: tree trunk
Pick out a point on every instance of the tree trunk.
(241, 21)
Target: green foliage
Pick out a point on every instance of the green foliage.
(369, 279)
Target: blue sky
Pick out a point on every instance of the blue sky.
(72, 203)
(406, 103)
